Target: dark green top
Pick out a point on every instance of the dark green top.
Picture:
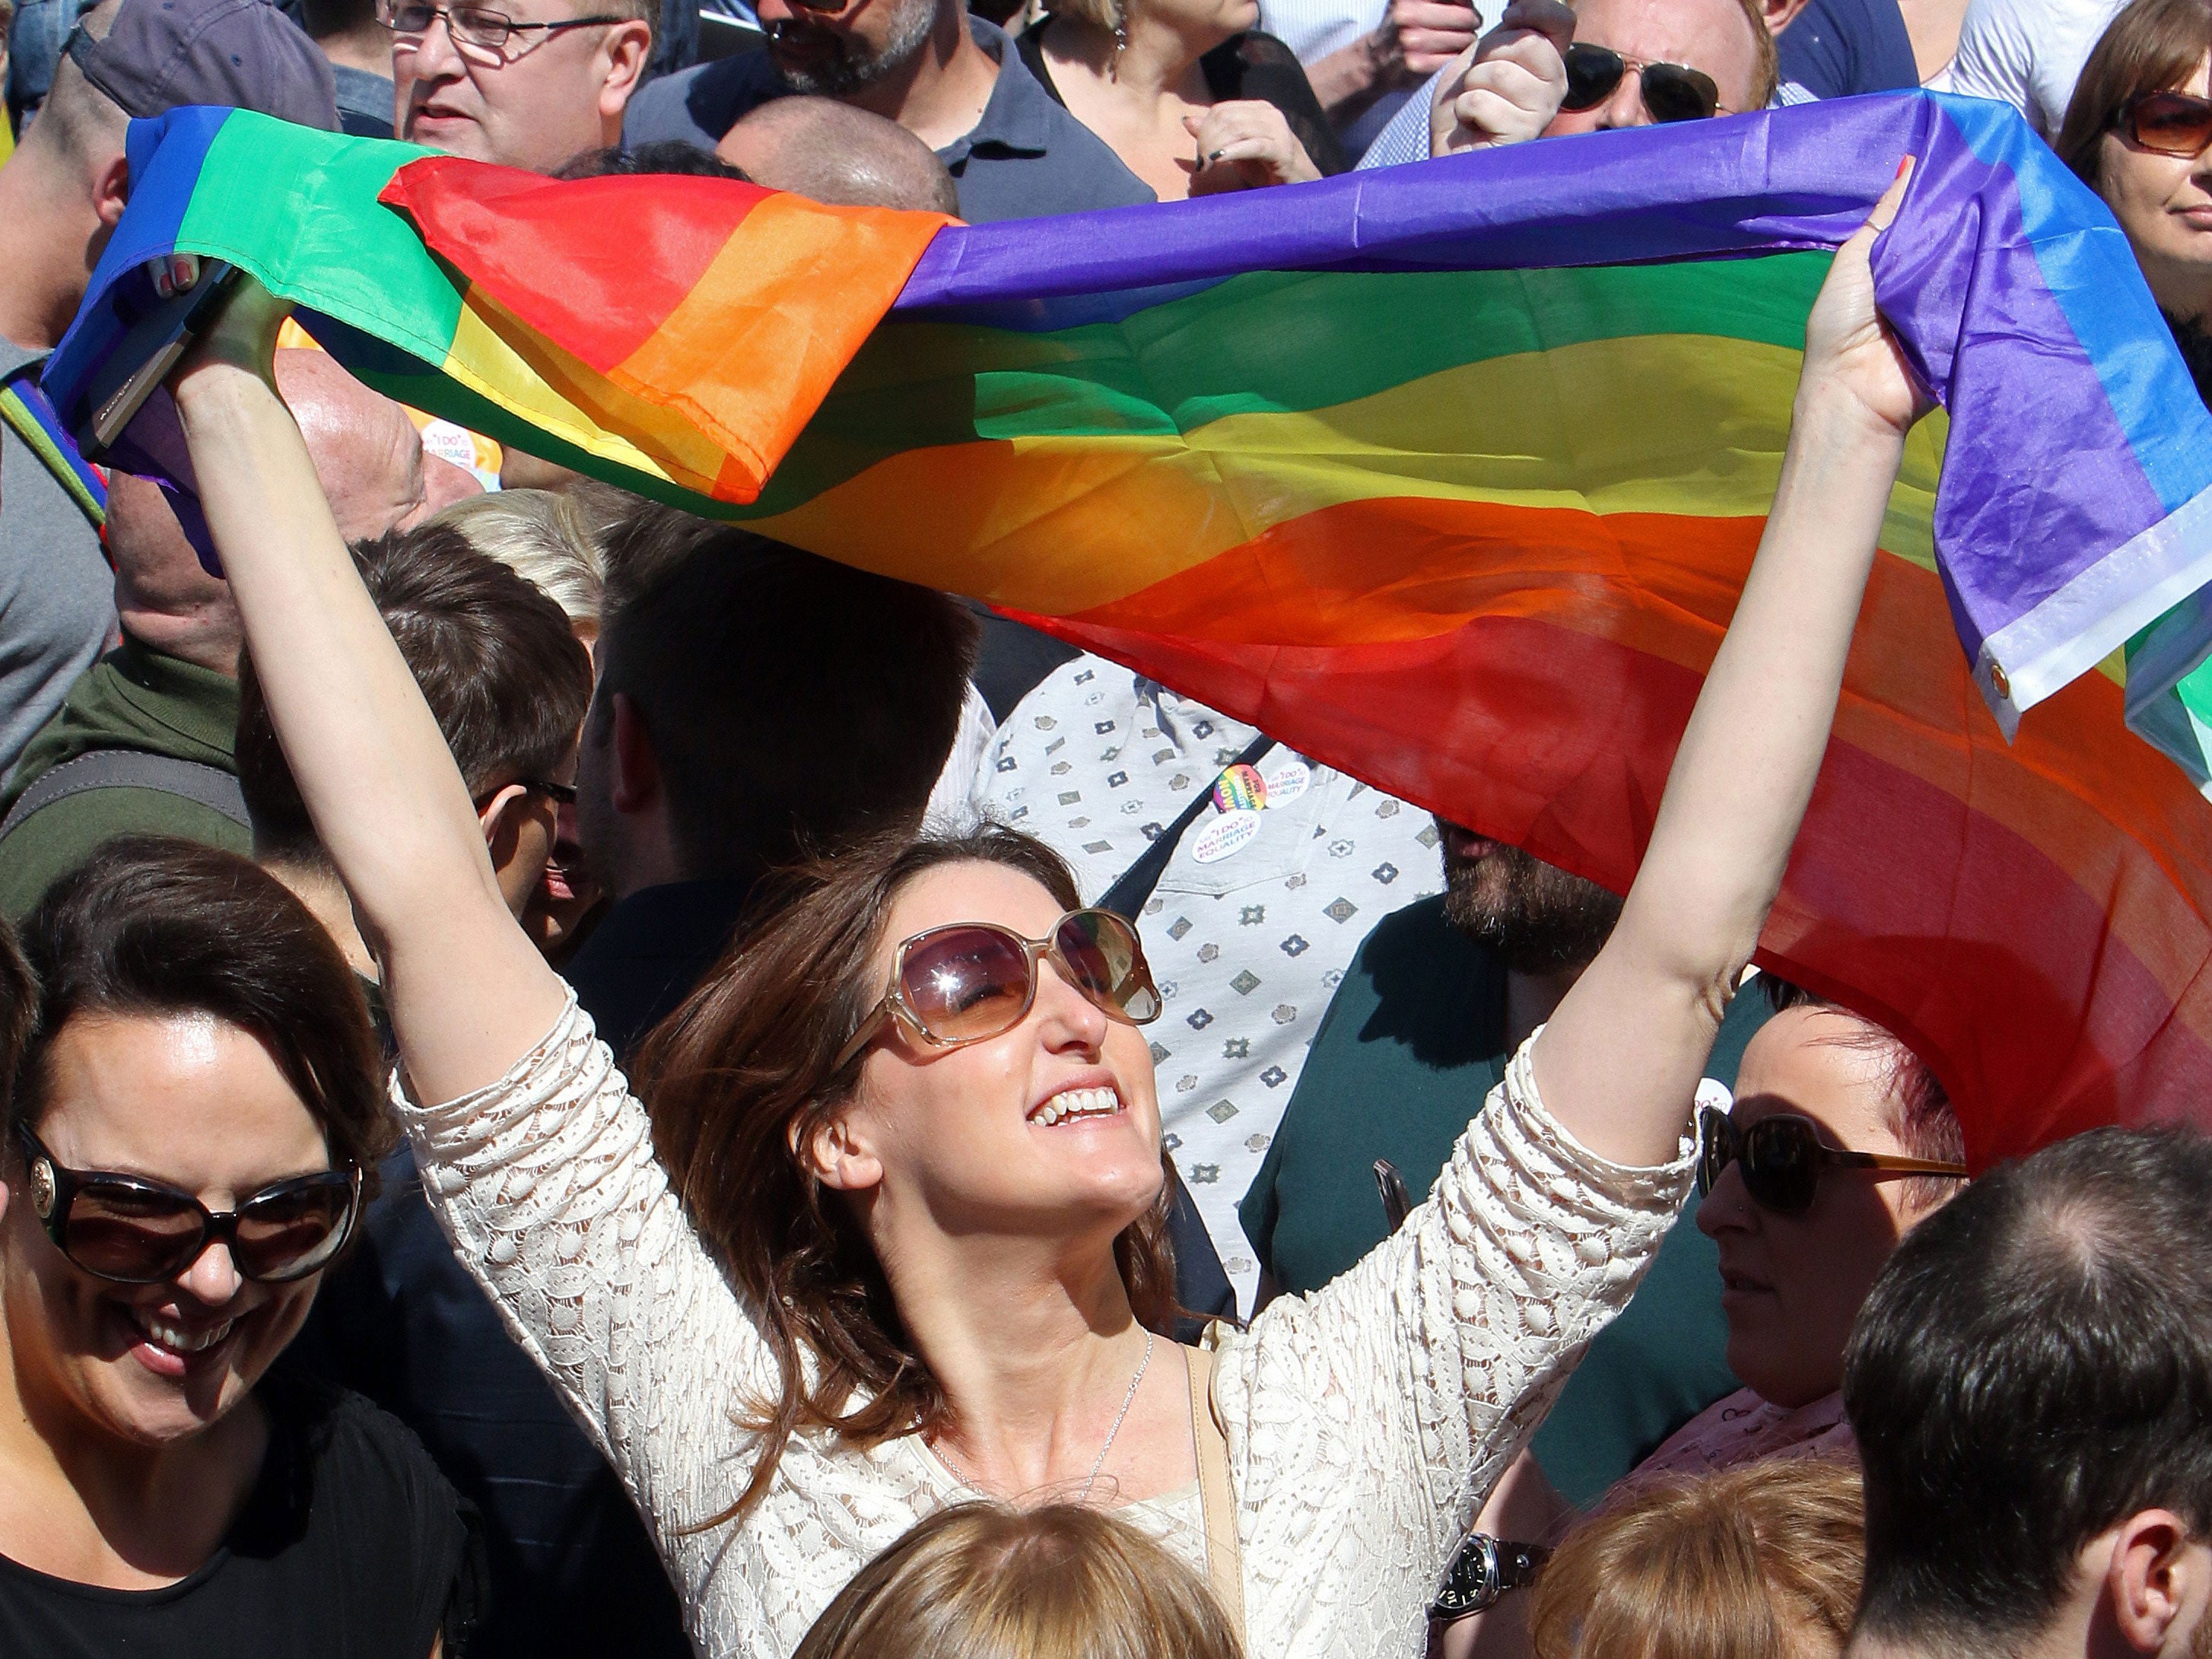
(134, 698)
(1411, 1045)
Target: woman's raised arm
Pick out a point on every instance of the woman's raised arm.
(467, 994)
(1619, 1063)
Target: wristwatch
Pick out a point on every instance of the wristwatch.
(1483, 1570)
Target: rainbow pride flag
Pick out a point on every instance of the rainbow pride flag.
(1447, 475)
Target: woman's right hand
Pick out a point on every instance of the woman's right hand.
(1244, 144)
(1851, 358)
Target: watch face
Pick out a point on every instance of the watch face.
(1472, 1584)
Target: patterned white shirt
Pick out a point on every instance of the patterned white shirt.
(1248, 948)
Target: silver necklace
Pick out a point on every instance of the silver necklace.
(1098, 1463)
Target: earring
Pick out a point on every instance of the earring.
(1121, 36)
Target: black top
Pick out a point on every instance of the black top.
(351, 1545)
(1252, 64)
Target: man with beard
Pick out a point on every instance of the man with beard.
(952, 80)
(1441, 995)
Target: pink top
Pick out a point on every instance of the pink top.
(1743, 1429)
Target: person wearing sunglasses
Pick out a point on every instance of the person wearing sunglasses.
(2138, 132)
(194, 1125)
(887, 1235)
(524, 83)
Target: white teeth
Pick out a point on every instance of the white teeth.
(1078, 1102)
(179, 1340)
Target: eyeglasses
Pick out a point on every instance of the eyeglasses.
(2167, 123)
(1782, 1157)
(1672, 92)
(973, 980)
(473, 25)
(134, 1231)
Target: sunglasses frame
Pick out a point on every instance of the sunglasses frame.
(1623, 64)
(895, 1005)
(1713, 1125)
(55, 1188)
(2125, 120)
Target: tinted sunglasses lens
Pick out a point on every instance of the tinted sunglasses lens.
(966, 983)
(125, 1232)
(1102, 952)
(2172, 123)
(1592, 74)
(290, 1233)
(1672, 94)
(1781, 1165)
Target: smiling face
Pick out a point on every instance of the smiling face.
(1791, 1285)
(1050, 1130)
(2164, 204)
(1712, 36)
(194, 1103)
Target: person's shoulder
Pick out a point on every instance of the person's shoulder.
(356, 1447)
(700, 104)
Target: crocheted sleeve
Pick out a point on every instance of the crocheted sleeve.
(1368, 1420)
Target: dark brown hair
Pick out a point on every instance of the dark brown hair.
(1729, 1566)
(504, 678)
(741, 1071)
(153, 925)
(981, 1581)
(791, 702)
(2152, 45)
(19, 1006)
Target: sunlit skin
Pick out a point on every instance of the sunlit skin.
(2164, 204)
(540, 100)
(1791, 1285)
(1714, 36)
(97, 1420)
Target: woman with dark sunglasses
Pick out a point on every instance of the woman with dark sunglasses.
(195, 1119)
(900, 1244)
(2138, 132)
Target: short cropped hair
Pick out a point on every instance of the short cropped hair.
(496, 659)
(794, 704)
(2032, 1366)
(154, 925)
(1744, 1563)
(980, 1581)
(545, 537)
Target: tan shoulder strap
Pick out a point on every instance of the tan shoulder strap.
(1225, 1557)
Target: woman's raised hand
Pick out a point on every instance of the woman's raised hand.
(1850, 356)
(1245, 144)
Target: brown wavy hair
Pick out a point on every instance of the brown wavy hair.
(1762, 1560)
(739, 1074)
(981, 1581)
(2152, 45)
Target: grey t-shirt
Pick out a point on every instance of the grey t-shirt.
(57, 594)
(1026, 157)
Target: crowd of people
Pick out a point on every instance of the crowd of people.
(580, 1080)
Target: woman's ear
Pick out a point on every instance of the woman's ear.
(836, 1153)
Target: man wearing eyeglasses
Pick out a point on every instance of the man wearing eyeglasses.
(531, 83)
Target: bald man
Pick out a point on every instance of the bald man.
(155, 718)
(831, 152)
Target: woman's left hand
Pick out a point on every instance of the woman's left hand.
(1244, 144)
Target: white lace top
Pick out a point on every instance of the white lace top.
(1364, 1422)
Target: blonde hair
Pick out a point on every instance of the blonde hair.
(980, 1581)
(552, 542)
(1751, 1563)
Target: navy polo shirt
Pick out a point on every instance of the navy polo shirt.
(1026, 157)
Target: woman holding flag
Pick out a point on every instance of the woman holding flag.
(899, 1246)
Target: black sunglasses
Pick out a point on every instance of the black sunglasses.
(1781, 1157)
(475, 26)
(1672, 92)
(131, 1230)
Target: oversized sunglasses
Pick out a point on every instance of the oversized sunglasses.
(1781, 1157)
(972, 981)
(1672, 92)
(134, 1231)
(473, 26)
(2167, 123)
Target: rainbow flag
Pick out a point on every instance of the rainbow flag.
(1447, 475)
